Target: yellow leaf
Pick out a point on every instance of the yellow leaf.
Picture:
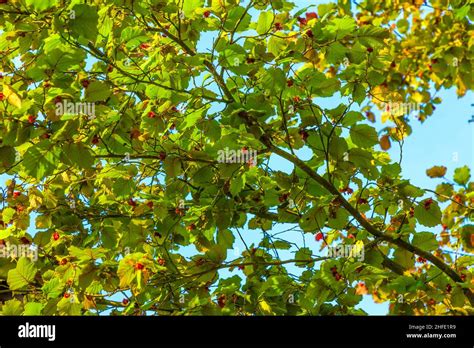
(265, 307)
(436, 171)
(11, 96)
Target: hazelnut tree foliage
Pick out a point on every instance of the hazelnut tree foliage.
(114, 197)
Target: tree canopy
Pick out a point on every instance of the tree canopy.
(134, 131)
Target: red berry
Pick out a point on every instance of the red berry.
(144, 46)
(2, 96)
(132, 202)
(302, 20)
(191, 227)
(125, 301)
(289, 83)
(351, 236)
(250, 60)
(427, 203)
(221, 301)
(347, 190)
(304, 134)
(95, 139)
(150, 204)
(63, 262)
(25, 240)
(393, 65)
(338, 276)
(55, 235)
(241, 267)
(431, 302)
(16, 194)
(207, 14)
(161, 261)
(139, 266)
(58, 100)
(421, 259)
(283, 197)
(31, 119)
(85, 83)
(370, 49)
(296, 99)
(309, 33)
(162, 155)
(319, 236)
(174, 109)
(151, 114)
(449, 288)
(110, 68)
(311, 15)
(278, 26)
(463, 277)
(67, 295)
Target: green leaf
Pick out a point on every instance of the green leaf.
(350, 298)
(42, 5)
(12, 307)
(79, 155)
(303, 254)
(237, 19)
(225, 238)
(237, 183)
(430, 216)
(363, 135)
(85, 21)
(341, 26)
(457, 297)
(7, 156)
(404, 258)
(22, 275)
(192, 118)
(425, 241)
(97, 91)
(33, 308)
(467, 237)
(313, 220)
(40, 160)
(190, 6)
(53, 288)
(264, 23)
(462, 175)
